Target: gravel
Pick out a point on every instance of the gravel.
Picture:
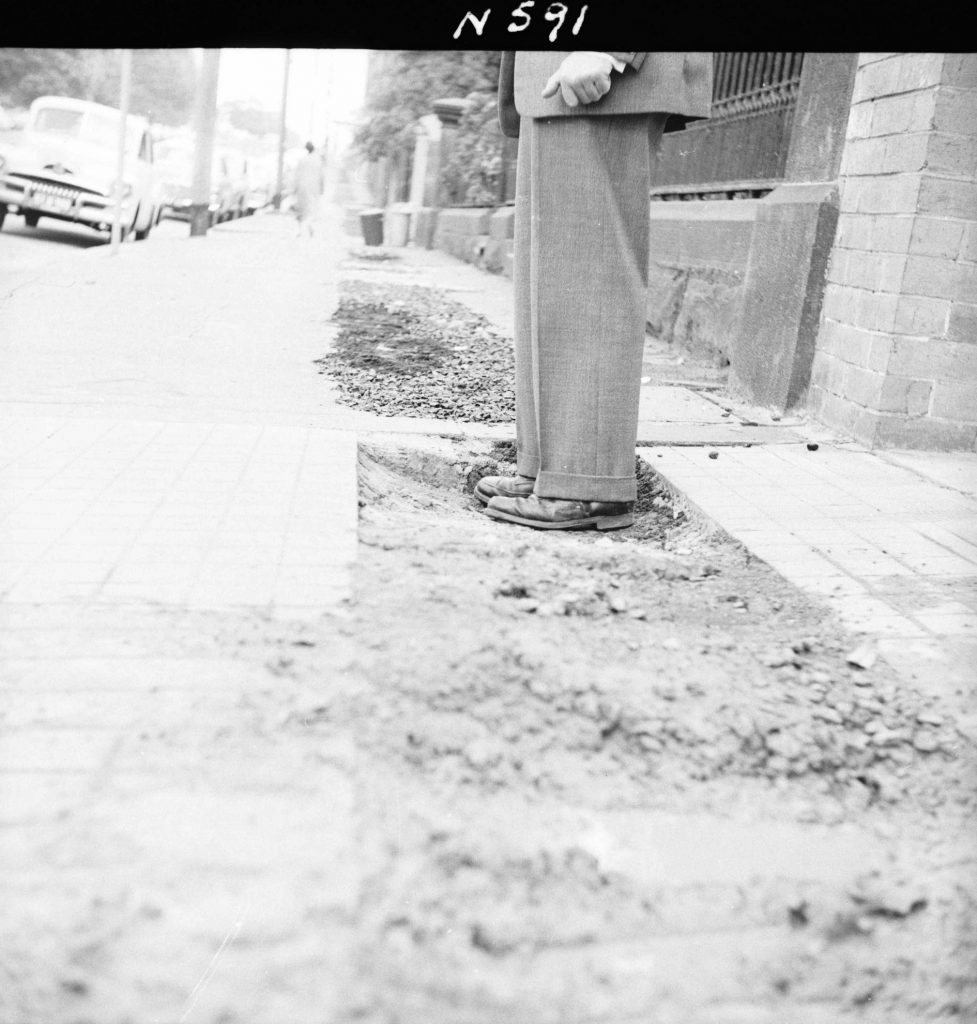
(405, 350)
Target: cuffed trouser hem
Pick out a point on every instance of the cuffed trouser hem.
(527, 465)
(586, 488)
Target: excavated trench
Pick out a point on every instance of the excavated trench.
(633, 777)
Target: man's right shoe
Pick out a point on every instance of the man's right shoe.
(490, 487)
(562, 513)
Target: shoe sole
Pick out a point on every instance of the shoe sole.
(598, 522)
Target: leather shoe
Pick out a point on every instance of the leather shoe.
(561, 514)
(490, 487)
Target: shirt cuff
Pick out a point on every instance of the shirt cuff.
(619, 65)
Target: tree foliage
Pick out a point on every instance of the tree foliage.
(472, 173)
(26, 74)
(163, 81)
(246, 117)
(404, 85)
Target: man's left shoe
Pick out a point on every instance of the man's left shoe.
(562, 514)
(490, 487)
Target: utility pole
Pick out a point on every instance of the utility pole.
(205, 125)
(314, 105)
(125, 82)
(327, 103)
(279, 180)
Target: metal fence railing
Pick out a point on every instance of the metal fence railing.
(741, 149)
(744, 83)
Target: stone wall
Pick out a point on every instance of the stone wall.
(896, 356)
(741, 280)
(699, 255)
(478, 235)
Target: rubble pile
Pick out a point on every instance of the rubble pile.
(504, 715)
(560, 733)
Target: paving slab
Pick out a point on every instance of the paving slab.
(883, 543)
(955, 470)
(155, 812)
(723, 434)
(189, 515)
(163, 436)
(220, 328)
(171, 469)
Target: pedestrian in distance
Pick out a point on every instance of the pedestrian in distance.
(589, 124)
(308, 190)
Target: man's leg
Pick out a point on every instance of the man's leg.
(527, 445)
(527, 423)
(588, 183)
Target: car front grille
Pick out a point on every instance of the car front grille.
(43, 187)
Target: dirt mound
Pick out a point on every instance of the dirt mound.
(618, 782)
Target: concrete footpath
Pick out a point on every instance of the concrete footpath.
(175, 484)
(176, 477)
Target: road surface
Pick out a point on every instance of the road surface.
(24, 249)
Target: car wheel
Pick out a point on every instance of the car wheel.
(31, 218)
(3, 213)
(125, 230)
(141, 234)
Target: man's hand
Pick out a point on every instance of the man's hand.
(583, 77)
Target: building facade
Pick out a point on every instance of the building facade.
(826, 244)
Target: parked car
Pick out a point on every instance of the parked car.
(174, 163)
(65, 166)
(261, 189)
(228, 181)
(231, 172)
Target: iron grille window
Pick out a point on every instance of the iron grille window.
(744, 83)
(740, 151)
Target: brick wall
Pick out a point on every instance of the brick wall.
(896, 357)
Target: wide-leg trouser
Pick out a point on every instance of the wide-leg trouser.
(581, 280)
